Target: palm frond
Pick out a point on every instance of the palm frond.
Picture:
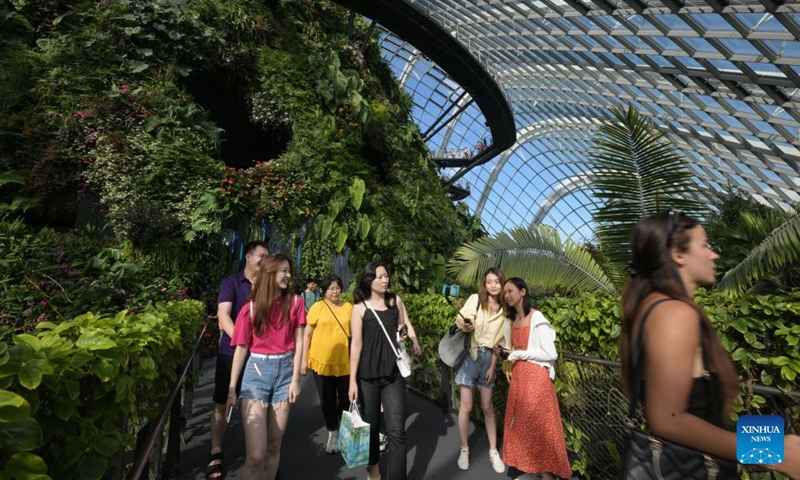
(636, 173)
(780, 248)
(536, 254)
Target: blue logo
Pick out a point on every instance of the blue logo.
(759, 439)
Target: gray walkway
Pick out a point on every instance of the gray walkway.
(432, 442)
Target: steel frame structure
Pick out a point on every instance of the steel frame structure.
(720, 78)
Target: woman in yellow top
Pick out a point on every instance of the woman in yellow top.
(486, 321)
(326, 353)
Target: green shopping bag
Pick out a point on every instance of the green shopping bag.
(354, 438)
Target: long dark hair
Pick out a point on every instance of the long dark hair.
(527, 305)
(483, 292)
(364, 284)
(652, 270)
(266, 291)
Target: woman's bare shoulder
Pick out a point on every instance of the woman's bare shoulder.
(673, 321)
(358, 307)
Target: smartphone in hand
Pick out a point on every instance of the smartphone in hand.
(504, 353)
(403, 331)
(230, 412)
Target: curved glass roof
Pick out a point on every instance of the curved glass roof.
(720, 78)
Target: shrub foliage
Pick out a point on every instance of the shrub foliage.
(64, 387)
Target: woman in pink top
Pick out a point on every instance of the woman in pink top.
(269, 326)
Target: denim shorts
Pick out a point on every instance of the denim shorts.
(267, 377)
(472, 372)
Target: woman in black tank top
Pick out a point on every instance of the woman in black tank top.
(688, 379)
(374, 377)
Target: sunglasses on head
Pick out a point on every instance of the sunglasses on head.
(673, 219)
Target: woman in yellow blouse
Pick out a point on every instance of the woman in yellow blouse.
(484, 310)
(326, 354)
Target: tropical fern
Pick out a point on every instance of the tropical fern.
(780, 248)
(536, 254)
(636, 173)
(15, 180)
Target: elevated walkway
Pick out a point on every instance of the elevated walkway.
(439, 45)
(432, 441)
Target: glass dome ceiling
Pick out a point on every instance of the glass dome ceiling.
(720, 78)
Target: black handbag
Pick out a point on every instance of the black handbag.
(648, 457)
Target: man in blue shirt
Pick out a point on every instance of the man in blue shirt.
(232, 295)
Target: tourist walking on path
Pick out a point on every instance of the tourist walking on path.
(232, 294)
(326, 352)
(269, 327)
(484, 310)
(688, 380)
(533, 436)
(310, 294)
(373, 368)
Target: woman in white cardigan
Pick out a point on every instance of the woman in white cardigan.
(533, 438)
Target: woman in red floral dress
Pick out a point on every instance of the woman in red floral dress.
(533, 438)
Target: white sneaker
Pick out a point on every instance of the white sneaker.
(463, 458)
(333, 440)
(497, 463)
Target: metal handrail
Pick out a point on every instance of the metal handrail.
(614, 364)
(141, 462)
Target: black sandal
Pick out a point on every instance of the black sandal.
(215, 471)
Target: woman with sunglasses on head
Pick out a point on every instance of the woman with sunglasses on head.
(533, 436)
(688, 381)
(373, 369)
(484, 310)
(270, 328)
(326, 353)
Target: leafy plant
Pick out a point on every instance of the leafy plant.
(337, 87)
(51, 276)
(773, 251)
(635, 173)
(62, 390)
(14, 180)
(114, 114)
(351, 223)
(535, 253)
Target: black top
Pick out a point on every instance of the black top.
(704, 400)
(377, 358)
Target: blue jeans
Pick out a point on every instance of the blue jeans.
(267, 378)
(391, 391)
(473, 372)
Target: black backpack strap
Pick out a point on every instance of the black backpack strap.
(636, 367)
